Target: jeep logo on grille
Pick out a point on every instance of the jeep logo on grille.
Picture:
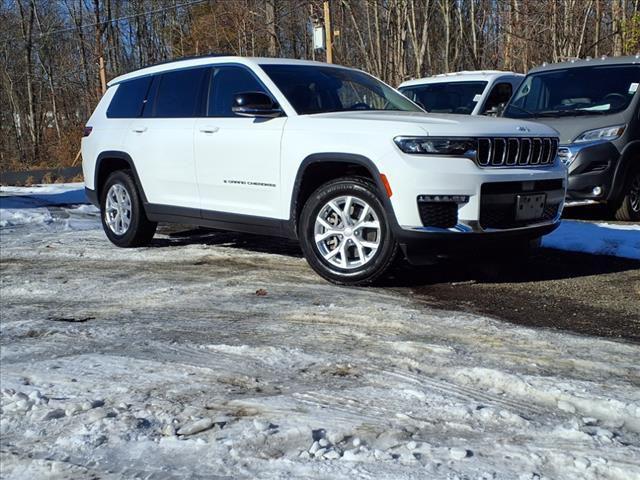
(520, 128)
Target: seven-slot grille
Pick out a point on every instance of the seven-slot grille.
(516, 151)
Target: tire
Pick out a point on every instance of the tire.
(629, 208)
(121, 189)
(349, 257)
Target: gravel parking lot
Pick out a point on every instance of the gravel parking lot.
(218, 355)
(588, 294)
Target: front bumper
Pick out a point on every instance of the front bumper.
(485, 218)
(590, 165)
(489, 196)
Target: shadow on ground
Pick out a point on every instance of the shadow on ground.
(598, 213)
(587, 294)
(481, 267)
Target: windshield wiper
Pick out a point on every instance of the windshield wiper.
(568, 113)
(528, 112)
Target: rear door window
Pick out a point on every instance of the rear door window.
(226, 82)
(128, 101)
(179, 94)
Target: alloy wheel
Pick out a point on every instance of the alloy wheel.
(347, 232)
(117, 212)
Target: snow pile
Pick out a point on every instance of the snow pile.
(42, 195)
(621, 240)
(13, 217)
(21, 206)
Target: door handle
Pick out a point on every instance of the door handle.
(139, 129)
(209, 129)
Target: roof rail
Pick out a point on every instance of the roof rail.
(175, 60)
(188, 57)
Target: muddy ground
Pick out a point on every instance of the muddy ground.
(586, 294)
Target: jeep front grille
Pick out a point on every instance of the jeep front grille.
(516, 151)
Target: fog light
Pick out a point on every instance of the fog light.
(597, 191)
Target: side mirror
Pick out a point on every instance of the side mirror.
(255, 104)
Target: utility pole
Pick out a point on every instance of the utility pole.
(103, 76)
(327, 32)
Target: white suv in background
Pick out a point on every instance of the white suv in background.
(325, 154)
(466, 93)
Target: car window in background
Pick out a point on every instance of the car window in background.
(178, 93)
(500, 95)
(128, 100)
(318, 89)
(575, 91)
(453, 97)
(226, 82)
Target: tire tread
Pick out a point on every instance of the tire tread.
(391, 256)
(142, 230)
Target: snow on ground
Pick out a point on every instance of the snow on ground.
(621, 240)
(31, 205)
(163, 362)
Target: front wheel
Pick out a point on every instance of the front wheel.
(629, 209)
(344, 232)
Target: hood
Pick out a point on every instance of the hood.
(446, 124)
(570, 127)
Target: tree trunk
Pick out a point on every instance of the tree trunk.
(28, 18)
(270, 18)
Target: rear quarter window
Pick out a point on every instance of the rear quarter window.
(128, 100)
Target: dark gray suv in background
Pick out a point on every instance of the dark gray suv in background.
(595, 106)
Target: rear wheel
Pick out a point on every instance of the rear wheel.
(344, 232)
(629, 209)
(123, 218)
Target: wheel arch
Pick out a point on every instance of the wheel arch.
(111, 161)
(629, 160)
(318, 168)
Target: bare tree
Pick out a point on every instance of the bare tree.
(51, 49)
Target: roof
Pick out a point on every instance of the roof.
(212, 60)
(463, 76)
(587, 62)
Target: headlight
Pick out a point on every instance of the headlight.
(438, 145)
(606, 133)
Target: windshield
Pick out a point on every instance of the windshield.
(319, 89)
(454, 97)
(575, 91)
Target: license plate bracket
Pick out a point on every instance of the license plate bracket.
(530, 206)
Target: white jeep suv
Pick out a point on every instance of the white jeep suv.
(325, 154)
(467, 93)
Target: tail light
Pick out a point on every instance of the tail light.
(87, 131)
